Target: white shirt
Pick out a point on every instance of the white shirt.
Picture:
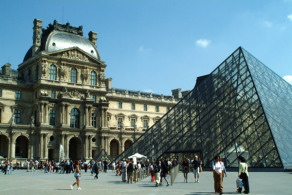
(218, 167)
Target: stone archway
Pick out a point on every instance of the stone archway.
(128, 143)
(114, 148)
(4, 146)
(75, 149)
(21, 147)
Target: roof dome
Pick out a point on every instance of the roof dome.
(62, 40)
(59, 37)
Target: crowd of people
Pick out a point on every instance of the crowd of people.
(132, 171)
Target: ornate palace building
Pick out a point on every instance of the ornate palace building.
(60, 105)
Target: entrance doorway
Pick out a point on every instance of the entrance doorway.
(75, 149)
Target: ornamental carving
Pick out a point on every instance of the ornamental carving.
(75, 55)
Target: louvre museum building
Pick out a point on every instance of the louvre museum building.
(60, 105)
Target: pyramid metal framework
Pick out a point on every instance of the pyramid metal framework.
(241, 108)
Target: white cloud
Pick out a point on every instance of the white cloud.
(288, 78)
(148, 91)
(289, 17)
(203, 42)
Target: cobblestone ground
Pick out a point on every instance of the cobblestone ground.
(28, 183)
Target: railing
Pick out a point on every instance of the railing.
(140, 174)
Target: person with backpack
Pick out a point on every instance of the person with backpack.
(218, 168)
(243, 174)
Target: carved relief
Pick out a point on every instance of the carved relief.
(44, 68)
(75, 55)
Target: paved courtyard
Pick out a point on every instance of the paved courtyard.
(27, 183)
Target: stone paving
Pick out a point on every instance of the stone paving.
(27, 183)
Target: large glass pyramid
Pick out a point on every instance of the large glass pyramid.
(241, 108)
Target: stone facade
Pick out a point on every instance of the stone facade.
(60, 105)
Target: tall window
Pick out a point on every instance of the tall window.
(133, 122)
(145, 123)
(133, 106)
(120, 105)
(52, 117)
(93, 78)
(145, 107)
(17, 94)
(53, 72)
(157, 108)
(53, 94)
(74, 118)
(120, 123)
(94, 98)
(0, 92)
(17, 115)
(93, 119)
(73, 75)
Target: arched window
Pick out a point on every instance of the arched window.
(74, 118)
(92, 78)
(73, 75)
(53, 72)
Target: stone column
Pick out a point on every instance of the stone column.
(41, 153)
(41, 112)
(66, 146)
(45, 146)
(90, 147)
(86, 147)
(12, 145)
(86, 120)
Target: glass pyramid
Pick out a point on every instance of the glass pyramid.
(241, 108)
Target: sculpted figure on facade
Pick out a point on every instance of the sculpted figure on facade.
(62, 72)
(84, 75)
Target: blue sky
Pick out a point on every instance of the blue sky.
(159, 45)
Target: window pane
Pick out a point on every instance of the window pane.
(73, 75)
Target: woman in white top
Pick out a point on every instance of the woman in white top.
(243, 174)
(218, 168)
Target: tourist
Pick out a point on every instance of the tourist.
(243, 174)
(157, 172)
(164, 170)
(77, 175)
(130, 170)
(95, 169)
(152, 172)
(124, 172)
(197, 167)
(218, 168)
(185, 169)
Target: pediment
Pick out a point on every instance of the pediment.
(75, 53)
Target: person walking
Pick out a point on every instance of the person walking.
(95, 170)
(197, 167)
(243, 174)
(218, 168)
(77, 175)
(185, 169)
(152, 172)
(157, 172)
(164, 170)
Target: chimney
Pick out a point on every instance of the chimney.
(92, 37)
(176, 93)
(37, 36)
(6, 69)
(108, 83)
